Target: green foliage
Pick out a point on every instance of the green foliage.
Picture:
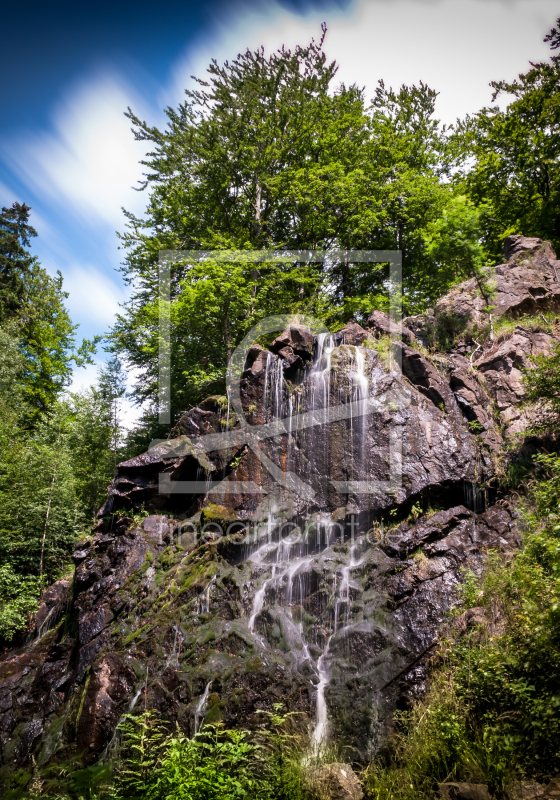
(453, 242)
(39, 509)
(32, 310)
(516, 176)
(15, 261)
(18, 599)
(430, 745)
(216, 764)
(493, 710)
(268, 155)
(542, 385)
(96, 437)
(57, 452)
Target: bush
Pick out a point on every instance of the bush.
(18, 599)
(216, 764)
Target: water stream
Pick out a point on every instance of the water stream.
(283, 563)
(201, 707)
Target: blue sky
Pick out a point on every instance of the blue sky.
(70, 70)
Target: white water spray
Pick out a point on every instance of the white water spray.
(201, 707)
(290, 558)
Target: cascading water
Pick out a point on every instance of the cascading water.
(283, 563)
(205, 598)
(200, 710)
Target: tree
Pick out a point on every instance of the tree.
(39, 510)
(516, 168)
(453, 242)
(32, 303)
(96, 438)
(542, 384)
(265, 155)
(15, 261)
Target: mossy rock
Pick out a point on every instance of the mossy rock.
(216, 513)
(216, 402)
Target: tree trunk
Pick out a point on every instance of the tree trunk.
(258, 200)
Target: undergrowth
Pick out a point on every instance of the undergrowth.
(215, 764)
(492, 714)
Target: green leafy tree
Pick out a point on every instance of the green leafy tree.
(542, 385)
(18, 599)
(516, 168)
(40, 515)
(96, 437)
(33, 303)
(266, 155)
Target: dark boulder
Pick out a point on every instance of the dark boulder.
(381, 324)
(352, 333)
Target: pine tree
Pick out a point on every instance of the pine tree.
(15, 260)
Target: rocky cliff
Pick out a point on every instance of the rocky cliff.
(304, 539)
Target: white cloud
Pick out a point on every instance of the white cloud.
(89, 162)
(93, 297)
(84, 377)
(83, 169)
(456, 46)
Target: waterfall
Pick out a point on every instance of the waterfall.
(200, 710)
(134, 700)
(205, 599)
(173, 659)
(281, 564)
(321, 724)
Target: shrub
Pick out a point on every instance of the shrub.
(18, 600)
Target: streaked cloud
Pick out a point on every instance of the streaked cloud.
(456, 46)
(88, 162)
(93, 297)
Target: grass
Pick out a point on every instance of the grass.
(382, 347)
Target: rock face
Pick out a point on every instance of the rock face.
(380, 323)
(529, 282)
(304, 543)
(502, 364)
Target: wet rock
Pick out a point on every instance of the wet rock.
(53, 602)
(422, 326)
(29, 734)
(255, 365)
(380, 324)
(148, 479)
(502, 365)
(296, 339)
(471, 397)
(161, 609)
(421, 373)
(334, 782)
(463, 791)
(159, 527)
(294, 347)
